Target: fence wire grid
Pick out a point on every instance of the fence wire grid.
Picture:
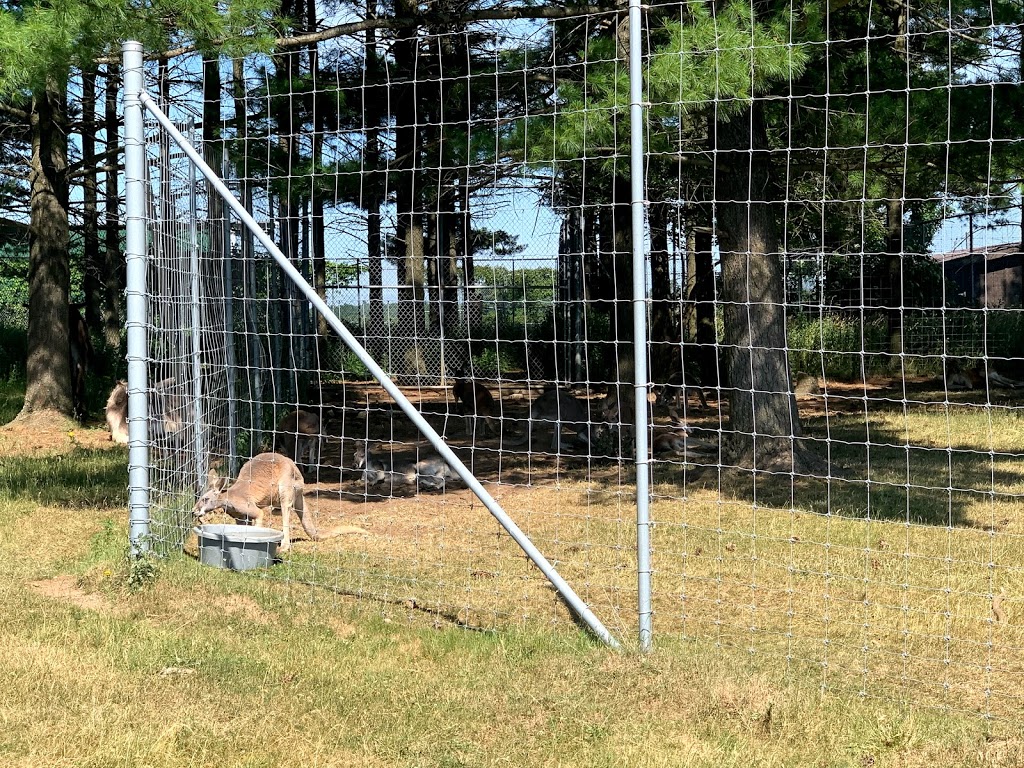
(834, 356)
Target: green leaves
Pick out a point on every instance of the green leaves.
(725, 59)
(42, 41)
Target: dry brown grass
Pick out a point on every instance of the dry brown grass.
(798, 631)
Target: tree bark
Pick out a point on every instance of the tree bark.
(114, 278)
(665, 327)
(48, 386)
(705, 332)
(894, 250)
(763, 415)
(377, 329)
(93, 261)
(409, 231)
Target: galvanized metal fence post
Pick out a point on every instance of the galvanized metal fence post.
(135, 258)
(637, 204)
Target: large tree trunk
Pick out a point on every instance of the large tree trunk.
(894, 249)
(705, 333)
(763, 413)
(48, 386)
(409, 231)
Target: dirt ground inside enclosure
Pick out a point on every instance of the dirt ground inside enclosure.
(521, 476)
(511, 470)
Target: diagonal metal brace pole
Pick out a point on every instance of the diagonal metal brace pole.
(581, 609)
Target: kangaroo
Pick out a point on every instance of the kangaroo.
(117, 412)
(166, 411)
(564, 410)
(678, 387)
(375, 469)
(429, 472)
(678, 442)
(266, 481)
(476, 402)
(299, 438)
(616, 410)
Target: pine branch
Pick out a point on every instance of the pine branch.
(7, 109)
(411, 22)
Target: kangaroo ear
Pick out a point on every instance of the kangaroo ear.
(214, 480)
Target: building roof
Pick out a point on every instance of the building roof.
(992, 251)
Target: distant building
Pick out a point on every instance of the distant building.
(990, 277)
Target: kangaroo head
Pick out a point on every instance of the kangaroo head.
(362, 451)
(211, 501)
(207, 503)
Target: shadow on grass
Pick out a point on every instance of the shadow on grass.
(12, 397)
(883, 475)
(81, 478)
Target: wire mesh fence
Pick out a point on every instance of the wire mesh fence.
(835, 456)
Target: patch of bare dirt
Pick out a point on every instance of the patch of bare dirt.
(40, 434)
(66, 589)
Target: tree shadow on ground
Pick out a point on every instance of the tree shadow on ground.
(80, 478)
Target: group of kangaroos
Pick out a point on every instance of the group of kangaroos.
(275, 479)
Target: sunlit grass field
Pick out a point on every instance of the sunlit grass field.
(826, 623)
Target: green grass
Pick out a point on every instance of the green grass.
(12, 396)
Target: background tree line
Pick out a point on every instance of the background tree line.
(773, 128)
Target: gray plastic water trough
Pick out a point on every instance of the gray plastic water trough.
(237, 547)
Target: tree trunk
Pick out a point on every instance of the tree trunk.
(665, 329)
(763, 414)
(409, 230)
(317, 223)
(894, 249)
(114, 279)
(93, 262)
(48, 385)
(377, 330)
(703, 297)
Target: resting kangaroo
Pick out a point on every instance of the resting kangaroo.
(429, 472)
(678, 442)
(476, 403)
(266, 481)
(299, 437)
(375, 469)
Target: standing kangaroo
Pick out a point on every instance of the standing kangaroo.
(561, 408)
(476, 404)
(166, 411)
(117, 412)
(266, 481)
(299, 438)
